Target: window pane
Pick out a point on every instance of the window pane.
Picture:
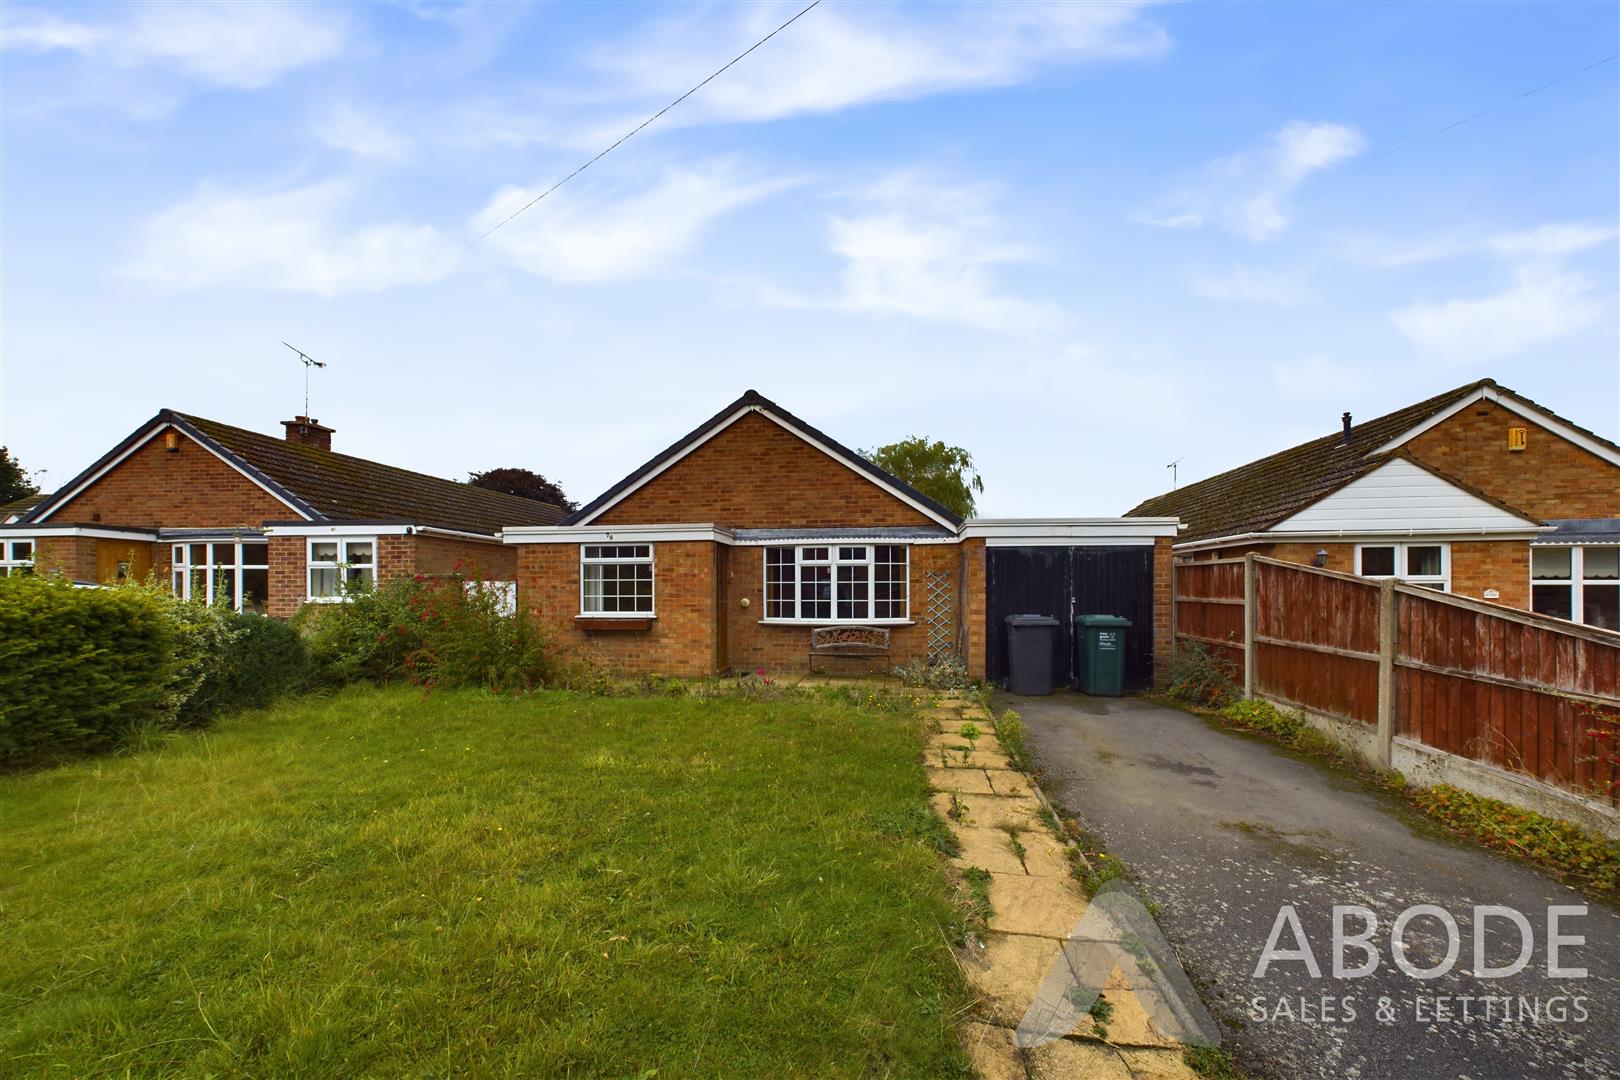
(813, 554)
(255, 554)
(889, 583)
(323, 581)
(1552, 600)
(323, 552)
(179, 554)
(224, 588)
(22, 550)
(1601, 606)
(255, 591)
(815, 592)
(359, 577)
(1423, 561)
(180, 583)
(591, 587)
(853, 592)
(779, 583)
(1601, 563)
(197, 588)
(851, 554)
(359, 553)
(199, 554)
(224, 554)
(1378, 561)
(1550, 562)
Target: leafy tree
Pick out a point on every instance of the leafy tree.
(14, 482)
(530, 485)
(943, 473)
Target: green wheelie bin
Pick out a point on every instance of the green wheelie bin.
(1101, 641)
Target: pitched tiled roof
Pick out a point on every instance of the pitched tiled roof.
(1256, 496)
(342, 487)
(754, 399)
(338, 487)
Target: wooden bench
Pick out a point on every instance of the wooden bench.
(862, 642)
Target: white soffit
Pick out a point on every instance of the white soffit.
(1400, 497)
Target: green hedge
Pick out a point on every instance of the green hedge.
(258, 661)
(80, 667)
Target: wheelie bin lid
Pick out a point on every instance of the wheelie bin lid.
(1101, 620)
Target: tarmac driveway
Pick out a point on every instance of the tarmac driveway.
(1224, 829)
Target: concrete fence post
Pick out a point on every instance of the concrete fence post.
(1386, 670)
(1250, 619)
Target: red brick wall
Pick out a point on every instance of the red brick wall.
(288, 585)
(190, 488)
(751, 644)
(1163, 609)
(1503, 565)
(1551, 478)
(489, 560)
(71, 556)
(756, 474)
(679, 641)
(974, 605)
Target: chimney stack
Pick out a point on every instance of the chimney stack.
(1346, 440)
(307, 431)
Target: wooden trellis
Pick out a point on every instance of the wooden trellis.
(939, 615)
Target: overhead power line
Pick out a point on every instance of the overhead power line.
(1498, 105)
(627, 135)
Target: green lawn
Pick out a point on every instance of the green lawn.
(376, 883)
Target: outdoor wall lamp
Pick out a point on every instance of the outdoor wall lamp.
(1321, 559)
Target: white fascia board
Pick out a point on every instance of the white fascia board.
(154, 433)
(1068, 541)
(847, 541)
(1355, 536)
(1072, 530)
(732, 419)
(316, 528)
(457, 534)
(1514, 405)
(615, 534)
(26, 531)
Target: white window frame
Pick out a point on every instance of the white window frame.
(342, 565)
(647, 560)
(181, 567)
(9, 560)
(833, 561)
(1442, 579)
(1577, 581)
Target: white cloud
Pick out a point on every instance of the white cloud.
(841, 56)
(242, 45)
(1543, 303)
(348, 127)
(1553, 241)
(576, 237)
(1248, 193)
(929, 252)
(1250, 286)
(288, 240)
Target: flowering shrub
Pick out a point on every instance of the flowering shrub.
(436, 632)
(946, 673)
(1199, 678)
(1560, 845)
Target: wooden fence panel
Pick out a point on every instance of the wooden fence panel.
(1209, 609)
(1496, 685)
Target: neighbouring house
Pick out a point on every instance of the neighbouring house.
(1478, 491)
(729, 549)
(259, 523)
(16, 508)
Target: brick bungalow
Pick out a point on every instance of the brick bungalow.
(260, 523)
(1477, 491)
(724, 551)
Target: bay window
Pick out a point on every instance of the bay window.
(616, 580)
(1581, 584)
(837, 583)
(340, 565)
(16, 557)
(226, 573)
(1428, 565)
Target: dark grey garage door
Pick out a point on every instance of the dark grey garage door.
(1065, 582)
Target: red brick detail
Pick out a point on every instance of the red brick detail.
(289, 586)
(1163, 609)
(757, 474)
(71, 556)
(974, 605)
(1551, 478)
(184, 488)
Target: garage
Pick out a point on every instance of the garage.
(1101, 570)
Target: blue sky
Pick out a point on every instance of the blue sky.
(1079, 240)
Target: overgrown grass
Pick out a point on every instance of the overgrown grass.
(378, 883)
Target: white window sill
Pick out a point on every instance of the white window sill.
(616, 615)
(837, 622)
